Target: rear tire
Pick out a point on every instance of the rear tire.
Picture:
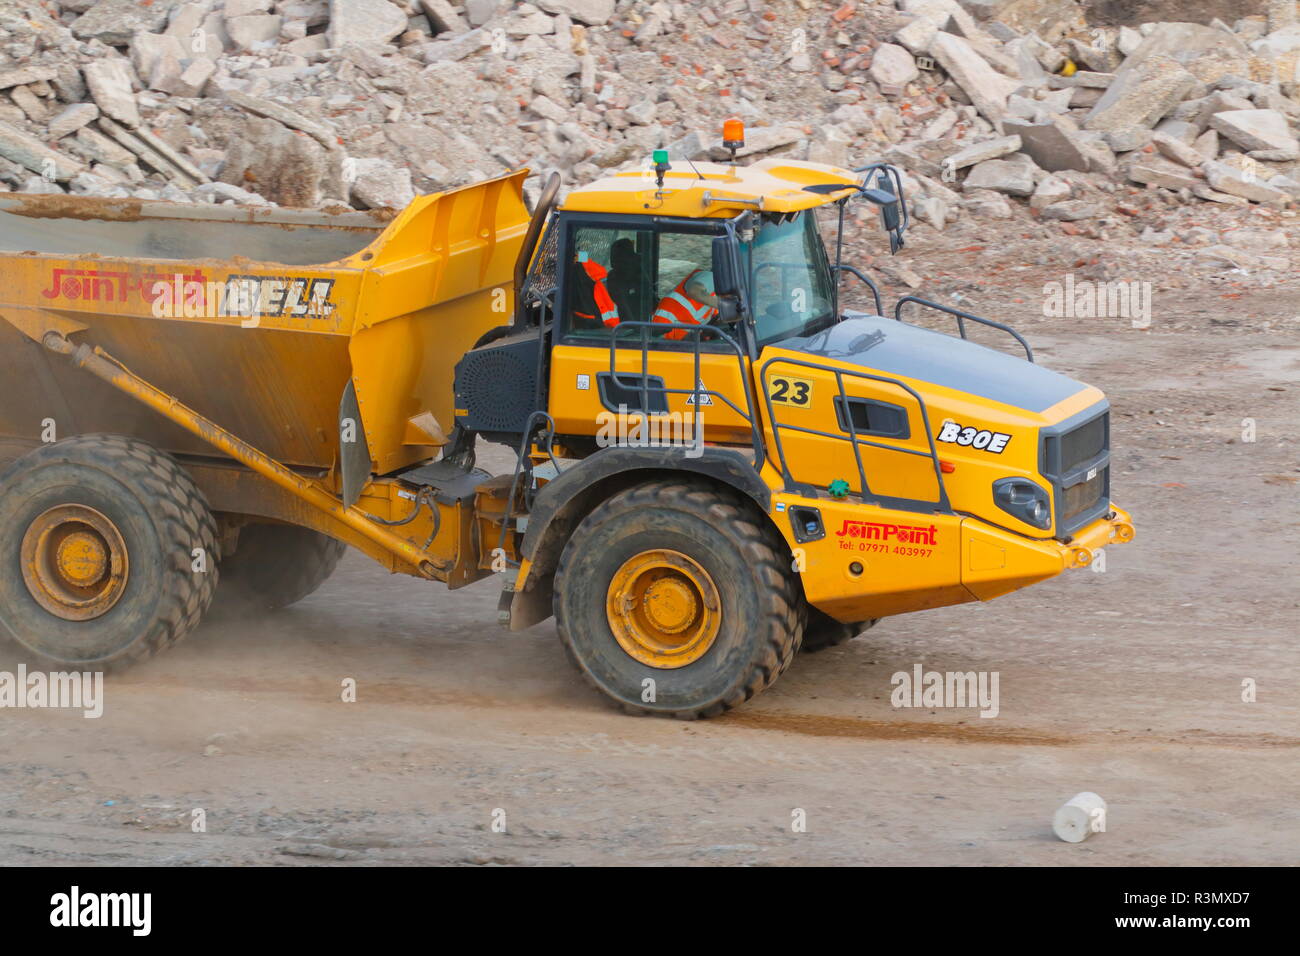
(275, 565)
(823, 631)
(682, 584)
(98, 562)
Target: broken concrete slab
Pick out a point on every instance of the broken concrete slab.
(933, 210)
(94, 145)
(365, 21)
(1050, 190)
(192, 79)
(1158, 171)
(109, 81)
(115, 22)
(1127, 139)
(31, 153)
(29, 103)
(1004, 176)
(26, 75)
(444, 17)
(1207, 144)
(148, 48)
(379, 184)
(1181, 130)
(322, 133)
(979, 152)
(1053, 143)
(1206, 52)
(1258, 130)
(153, 158)
(1177, 150)
(72, 118)
(1288, 184)
(1199, 110)
(986, 204)
(1235, 182)
(457, 48)
(254, 31)
(892, 67)
(988, 90)
(916, 35)
(1141, 97)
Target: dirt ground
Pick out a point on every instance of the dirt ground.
(1127, 683)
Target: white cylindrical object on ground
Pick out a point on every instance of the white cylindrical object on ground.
(1081, 815)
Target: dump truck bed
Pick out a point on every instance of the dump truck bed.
(259, 319)
(59, 225)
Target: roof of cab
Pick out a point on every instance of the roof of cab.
(711, 190)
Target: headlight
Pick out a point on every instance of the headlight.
(1024, 499)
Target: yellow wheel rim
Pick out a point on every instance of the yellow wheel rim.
(74, 562)
(663, 608)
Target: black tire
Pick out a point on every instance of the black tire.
(161, 517)
(762, 615)
(823, 631)
(275, 565)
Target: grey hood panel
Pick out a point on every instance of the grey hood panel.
(896, 348)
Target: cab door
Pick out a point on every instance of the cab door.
(629, 383)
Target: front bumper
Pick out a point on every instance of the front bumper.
(1080, 550)
(996, 562)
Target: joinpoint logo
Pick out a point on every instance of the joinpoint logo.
(881, 531)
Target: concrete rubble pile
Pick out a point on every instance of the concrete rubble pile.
(994, 109)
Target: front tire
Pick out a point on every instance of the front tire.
(108, 552)
(674, 598)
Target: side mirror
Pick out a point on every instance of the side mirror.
(889, 215)
(725, 280)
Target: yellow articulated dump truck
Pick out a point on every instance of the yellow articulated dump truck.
(716, 463)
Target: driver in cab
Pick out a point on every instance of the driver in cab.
(692, 302)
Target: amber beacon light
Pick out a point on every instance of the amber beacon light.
(733, 135)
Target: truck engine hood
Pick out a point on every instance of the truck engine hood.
(891, 347)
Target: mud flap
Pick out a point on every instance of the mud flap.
(354, 452)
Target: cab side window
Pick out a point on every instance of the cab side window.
(608, 270)
(625, 275)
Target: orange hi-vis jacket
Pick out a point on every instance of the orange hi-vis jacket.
(604, 301)
(678, 308)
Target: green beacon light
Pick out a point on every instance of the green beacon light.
(661, 166)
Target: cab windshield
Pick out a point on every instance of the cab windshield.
(790, 278)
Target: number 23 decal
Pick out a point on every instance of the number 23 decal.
(784, 390)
